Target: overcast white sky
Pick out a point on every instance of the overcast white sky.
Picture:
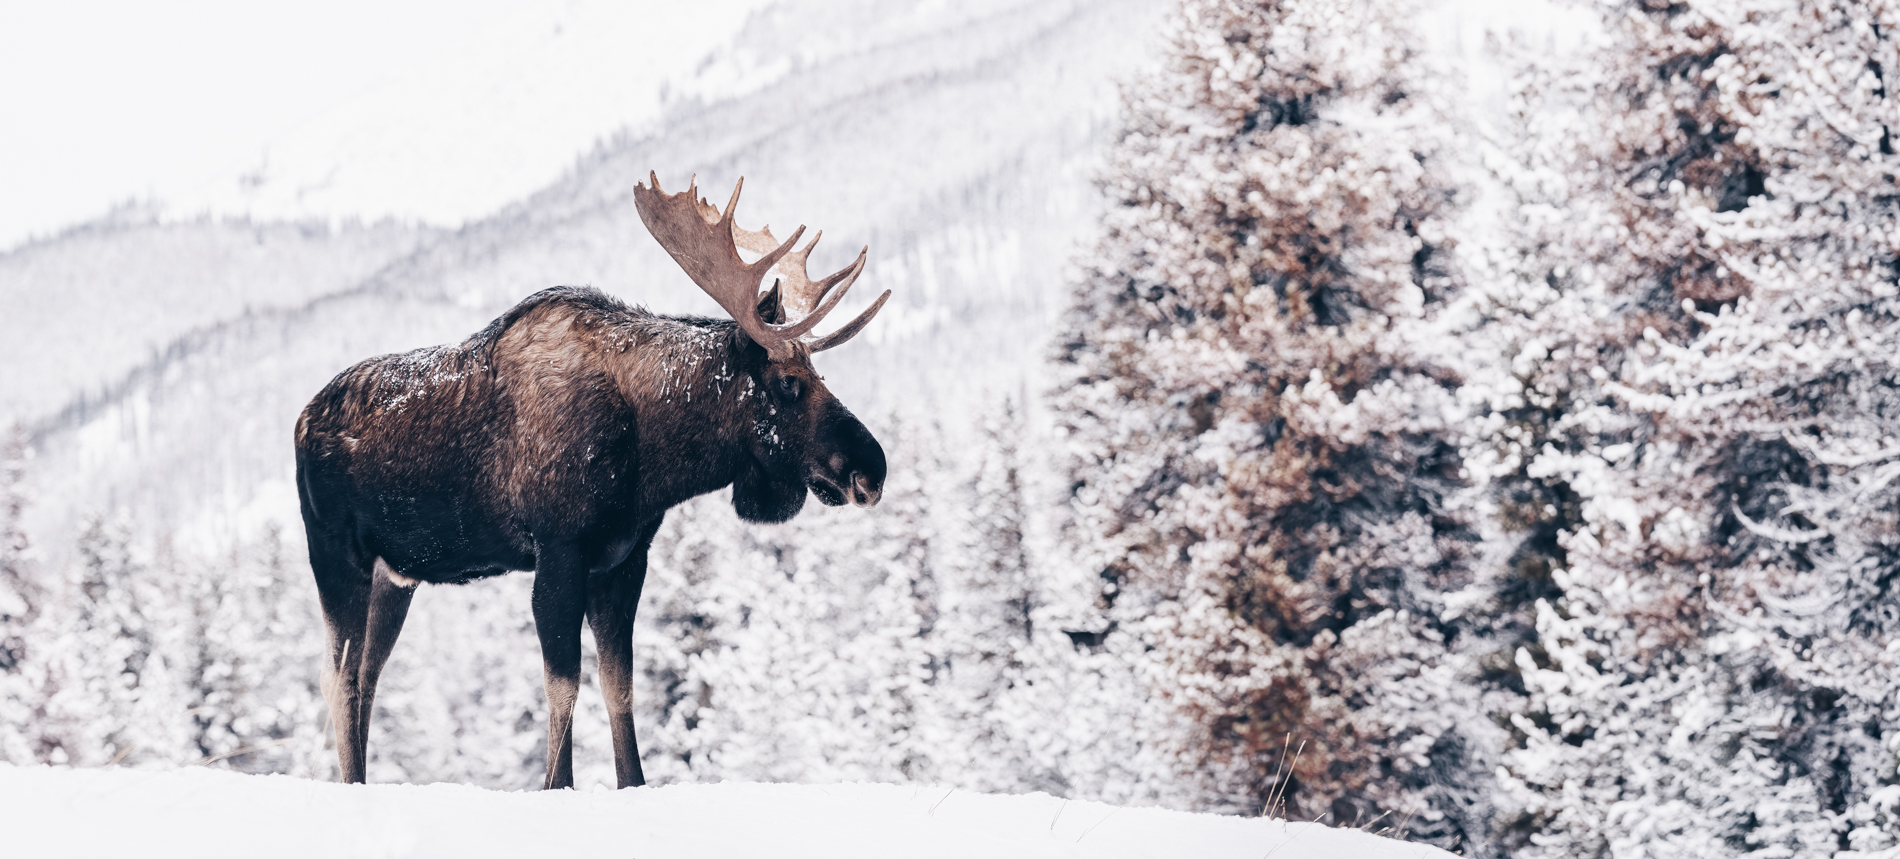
(104, 101)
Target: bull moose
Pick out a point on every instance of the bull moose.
(555, 439)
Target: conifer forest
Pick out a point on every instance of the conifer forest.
(1278, 422)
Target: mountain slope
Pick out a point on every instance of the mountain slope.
(88, 307)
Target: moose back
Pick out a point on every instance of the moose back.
(555, 440)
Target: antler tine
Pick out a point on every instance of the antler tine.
(843, 278)
(732, 205)
(850, 329)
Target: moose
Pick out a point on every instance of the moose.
(555, 440)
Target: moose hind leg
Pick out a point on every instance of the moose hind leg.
(343, 590)
(388, 607)
(560, 603)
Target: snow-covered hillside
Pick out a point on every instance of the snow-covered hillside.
(86, 813)
(87, 308)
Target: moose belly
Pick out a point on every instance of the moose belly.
(442, 540)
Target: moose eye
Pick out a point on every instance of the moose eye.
(789, 387)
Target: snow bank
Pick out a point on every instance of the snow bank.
(118, 812)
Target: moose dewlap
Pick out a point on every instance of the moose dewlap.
(555, 440)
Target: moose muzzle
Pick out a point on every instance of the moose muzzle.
(853, 466)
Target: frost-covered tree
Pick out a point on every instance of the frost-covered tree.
(1028, 690)
(984, 622)
(117, 651)
(16, 588)
(142, 657)
(20, 682)
(1264, 424)
(1706, 433)
(250, 680)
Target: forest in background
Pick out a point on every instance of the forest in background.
(1521, 482)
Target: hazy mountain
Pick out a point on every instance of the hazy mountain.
(90, 305)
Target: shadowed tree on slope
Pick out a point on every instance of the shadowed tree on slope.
(1263, 428)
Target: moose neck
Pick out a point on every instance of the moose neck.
(689, 382)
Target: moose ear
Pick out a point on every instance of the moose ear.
(772, 305)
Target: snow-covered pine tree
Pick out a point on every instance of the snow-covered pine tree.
(20, 682)
(984, 624)
(1264, 425)
(16, 588)
(776, 691)
(119, 652)
(1712, 675)
(1025, 698)
(252, 680)
(876, 583)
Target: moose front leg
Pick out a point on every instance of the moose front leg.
(560, 603)
(613, 596)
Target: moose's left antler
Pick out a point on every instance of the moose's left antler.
(705, 243)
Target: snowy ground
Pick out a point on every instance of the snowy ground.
(202, 812)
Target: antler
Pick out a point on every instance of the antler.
(706, 242)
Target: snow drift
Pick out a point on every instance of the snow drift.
(57, 811)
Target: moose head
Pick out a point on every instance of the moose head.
(804, 438)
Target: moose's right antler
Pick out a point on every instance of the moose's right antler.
(705, 242)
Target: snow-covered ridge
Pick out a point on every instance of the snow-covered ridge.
(512, 107)
(58, 811)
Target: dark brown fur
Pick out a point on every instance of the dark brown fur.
(553, 440)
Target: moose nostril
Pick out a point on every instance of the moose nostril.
(863, 494)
